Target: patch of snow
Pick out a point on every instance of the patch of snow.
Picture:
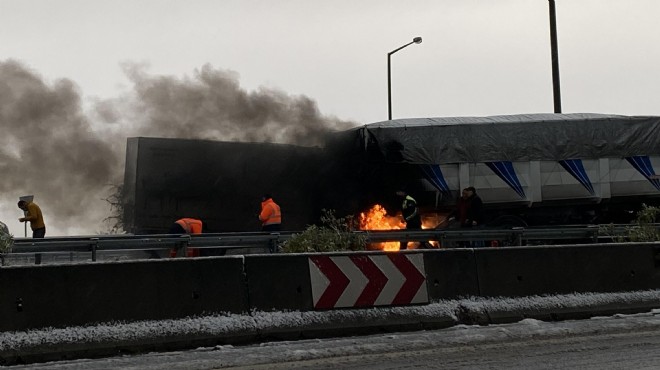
(259, 321)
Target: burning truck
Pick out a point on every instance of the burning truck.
(528, 169)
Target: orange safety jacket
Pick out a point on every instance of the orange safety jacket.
(270, 213)
(190, 225)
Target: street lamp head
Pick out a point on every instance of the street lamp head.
(417, 40)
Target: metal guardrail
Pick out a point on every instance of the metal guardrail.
(271, 241)
(164, 242)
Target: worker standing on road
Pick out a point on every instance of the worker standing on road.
(34, 215)
(411, 216)
(271, 215)
(190, 226)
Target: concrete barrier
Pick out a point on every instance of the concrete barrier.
(82, 294)
(68, 295)
(524, 271)
(278, 282)
(451, 273)
(34, 297)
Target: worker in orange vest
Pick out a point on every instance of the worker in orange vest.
(186, 226)
(270, 216)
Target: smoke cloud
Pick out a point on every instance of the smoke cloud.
(47, 149)
(69, 158)
(212, 105)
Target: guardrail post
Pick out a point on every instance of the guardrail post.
(517, 234)
(594, 230)
(182, 246)
(272, 243)
(95, 245)
(37, 258)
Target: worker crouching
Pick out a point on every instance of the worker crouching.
(190, 226)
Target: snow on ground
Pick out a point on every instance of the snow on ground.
(265, 321)
(619, 341)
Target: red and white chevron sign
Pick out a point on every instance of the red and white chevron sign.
(368, 280)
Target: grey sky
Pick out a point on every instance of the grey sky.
(478, 57)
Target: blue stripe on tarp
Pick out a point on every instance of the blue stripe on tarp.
(642, 163)
(504, 169)
(435, 177)
(576, 169)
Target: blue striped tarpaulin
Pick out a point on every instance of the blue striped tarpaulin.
(505, 170)
(642, 163)
(576, 169)
(435, 177)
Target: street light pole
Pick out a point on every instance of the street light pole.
(416, 40)
(556, 90)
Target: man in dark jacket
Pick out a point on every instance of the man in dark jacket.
(469, 209)
(475, 208)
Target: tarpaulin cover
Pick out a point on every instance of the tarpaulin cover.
(512, 138)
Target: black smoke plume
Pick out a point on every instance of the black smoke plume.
(68, 159)
(212, 105)
(47, 149)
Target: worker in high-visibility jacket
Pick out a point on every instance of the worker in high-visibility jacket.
(186, 226)
(271, 215)
(412, 218)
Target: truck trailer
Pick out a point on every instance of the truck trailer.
(528, 169)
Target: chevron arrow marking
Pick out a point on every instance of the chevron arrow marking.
(414, 279)
(376, 281)
(367, 281)
(338, 282)
(357, 281)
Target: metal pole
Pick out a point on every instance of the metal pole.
(555, 57)
(416, 40)
(389, 88)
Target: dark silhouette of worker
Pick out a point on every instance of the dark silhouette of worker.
(468, 212)
(476, 209)
(469, 209)
(410, 214)
(34, 216)
(271, 215)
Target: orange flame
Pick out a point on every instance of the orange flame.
(376, 218)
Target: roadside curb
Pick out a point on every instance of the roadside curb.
(105, 340)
